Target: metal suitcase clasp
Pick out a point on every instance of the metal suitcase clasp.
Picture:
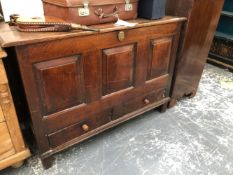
(85, 10)
(128, 6)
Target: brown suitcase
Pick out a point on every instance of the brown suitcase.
(89, 12)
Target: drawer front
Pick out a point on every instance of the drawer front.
(2, 119)
(78, 129)
(6, 146)
(75, 115)
(137, 103)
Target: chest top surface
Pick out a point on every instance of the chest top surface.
(9, 36)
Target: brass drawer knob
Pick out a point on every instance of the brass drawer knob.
(146, 101)
(85, 127)
(121, 36)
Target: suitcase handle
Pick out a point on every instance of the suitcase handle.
(41, 26)
(100, 13)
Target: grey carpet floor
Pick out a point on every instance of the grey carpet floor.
(193, 138)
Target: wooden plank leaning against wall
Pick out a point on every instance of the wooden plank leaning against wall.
(12, 147)
(197, 35)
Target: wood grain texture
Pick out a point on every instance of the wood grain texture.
(61, 76)
(76, 130)
(6, 146)
(2, 119)
(93, 78)
(3, 78)
(118, 68)
(11, 37)
(10, 116)
(11, 141)
(197, 35)
(15, 159)
(159, 57)
(72, 116)
(103, 128)
(110, 75)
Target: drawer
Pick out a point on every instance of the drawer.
(119, 102)
(76, 130)
(6, 146)
(2, 119)
(137, 103)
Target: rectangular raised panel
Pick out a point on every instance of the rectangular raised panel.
(1, 115)
(6, 146)
(159, 58)
(118, 68)
(60, 83)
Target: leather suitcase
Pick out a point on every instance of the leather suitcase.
(89, 12)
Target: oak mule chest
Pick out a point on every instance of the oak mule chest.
(79, 84)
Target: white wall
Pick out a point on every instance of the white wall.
(22, 7)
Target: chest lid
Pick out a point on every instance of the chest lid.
(81, 3)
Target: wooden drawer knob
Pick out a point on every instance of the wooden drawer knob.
(85, 127)
(146, 101)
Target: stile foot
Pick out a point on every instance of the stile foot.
(47, 162)
(163, 108)
(172, 103)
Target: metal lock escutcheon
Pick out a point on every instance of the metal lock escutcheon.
(121, 36)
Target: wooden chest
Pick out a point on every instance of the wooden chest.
(81, 83)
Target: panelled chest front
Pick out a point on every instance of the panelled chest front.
(80, 84)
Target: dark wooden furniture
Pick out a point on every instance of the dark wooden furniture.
(197, 36)
(221, 52)
(79, 84)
